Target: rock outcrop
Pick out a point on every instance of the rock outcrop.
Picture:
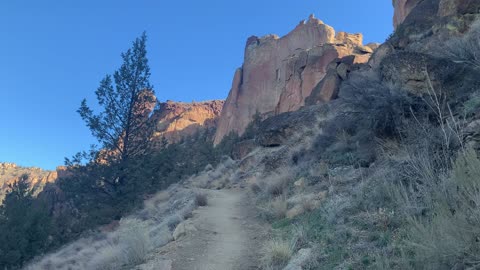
(38, 178)
(428, 24)
(441, 8)
(402, 9)
(175, 120)
(278, 74)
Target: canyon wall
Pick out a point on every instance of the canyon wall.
(175, 120)
(38, 178)
(278, 74)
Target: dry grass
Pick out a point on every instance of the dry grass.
(308, 204)
(276, 253)
(277, 182)
(135, 237)
(278, 207)
(448, 235)
(274, 209)
(134, 241)
(217, 177)
(276, 187)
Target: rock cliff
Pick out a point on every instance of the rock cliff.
(278, 74)
(424, 12)
(38, 178)
(402, 9)
(175, 120)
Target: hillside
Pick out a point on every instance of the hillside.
(327, 154)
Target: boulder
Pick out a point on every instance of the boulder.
(278, 130)
(243, 148)
(409, 71)
(328, 88)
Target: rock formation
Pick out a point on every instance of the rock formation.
(278, 74)
(442, 8)
(38, 178)
(175, 120)
(402, 9)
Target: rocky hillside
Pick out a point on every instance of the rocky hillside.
(280, 73)
(38, 178)
(364, 157)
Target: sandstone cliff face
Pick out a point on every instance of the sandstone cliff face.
(38, 178)
(175, 120)
(278, 74)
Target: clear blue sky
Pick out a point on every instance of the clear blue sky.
(54, 53)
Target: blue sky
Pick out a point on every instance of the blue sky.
(54, 53)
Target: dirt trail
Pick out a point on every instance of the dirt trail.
(228, 235)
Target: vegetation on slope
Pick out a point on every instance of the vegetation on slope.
(389, 181)
(114, 181)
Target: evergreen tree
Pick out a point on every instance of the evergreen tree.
(122, 127)
(25, 226)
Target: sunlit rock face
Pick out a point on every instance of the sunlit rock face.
(176, 120)
(279, 73)
(11, 172)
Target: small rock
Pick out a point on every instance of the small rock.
(364, 49)
(300, 183)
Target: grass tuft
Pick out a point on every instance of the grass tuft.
(201, 199)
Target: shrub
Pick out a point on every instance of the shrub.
(134, 239)
(466, 49)
(448, 236)
(276, 208)
(276, 253)
(201, 199)
(276, 187)
(108, 258)
(277, 182)
(255, 188)
(173, 221)
(472, 105)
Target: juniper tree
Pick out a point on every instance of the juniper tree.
(126, 99)
(25, 225)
